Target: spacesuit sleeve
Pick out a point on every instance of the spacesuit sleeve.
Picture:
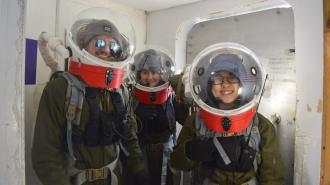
(179, 159)
(271, 168)
(48, 158)
(181, 106)
(134, 160)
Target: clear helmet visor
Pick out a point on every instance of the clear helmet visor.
(102, 36)
(226, 78)
(152, 69)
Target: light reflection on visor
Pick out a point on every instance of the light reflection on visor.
(114, 47)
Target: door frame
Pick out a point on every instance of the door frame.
(325, 163)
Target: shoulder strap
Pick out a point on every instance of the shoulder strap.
(255, 139)
(202, 130)
(254, 134)
(120, 99)
(170, 112)
(74, 97)
(75, 94)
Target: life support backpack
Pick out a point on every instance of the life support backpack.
(75, 95)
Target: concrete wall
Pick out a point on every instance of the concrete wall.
(308, 31)
(11, 81)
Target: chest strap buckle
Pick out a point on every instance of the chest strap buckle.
(96, 174)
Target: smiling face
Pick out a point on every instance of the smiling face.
(149, 78)
(225, 88)
(101, 46)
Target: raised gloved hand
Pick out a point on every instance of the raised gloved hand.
(142, 178)
(146, 112)
(234, 154)
(201, 150)
(229, 157)
(185, 81)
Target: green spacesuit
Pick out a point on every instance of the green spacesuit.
(270, 166)
(157, 109)
(49, 152)
(227, 142)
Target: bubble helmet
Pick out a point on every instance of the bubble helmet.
(243, 68)
(148, 64)
(108, 31)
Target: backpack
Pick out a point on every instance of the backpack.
(75, 96)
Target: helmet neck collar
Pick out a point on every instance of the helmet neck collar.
(158, 97)
(227, 124)
(97, 76)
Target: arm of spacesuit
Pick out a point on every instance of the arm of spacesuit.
(183, 102)
(46, 44)
(179, 158)
(271, 168)
(48, 157)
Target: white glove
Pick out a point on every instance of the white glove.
(50, 47)
(185, 81)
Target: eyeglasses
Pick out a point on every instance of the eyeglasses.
(114, 47)
(219, 79)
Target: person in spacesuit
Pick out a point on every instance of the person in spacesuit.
(227, 141)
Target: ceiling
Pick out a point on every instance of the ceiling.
(153, 5)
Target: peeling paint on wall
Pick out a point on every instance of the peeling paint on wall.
(320, 106)
(309, 108)
(12, 17)
(302, 146)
